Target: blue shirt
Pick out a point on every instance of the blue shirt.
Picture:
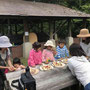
(61, 52)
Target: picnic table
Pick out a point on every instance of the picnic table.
(55, 79)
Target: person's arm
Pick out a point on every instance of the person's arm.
(9, 58)
(69, 64)
(9, 61)
(43, 55)
(57, 56)
(5, 67)
(40, 59)
(54, 51)
(31, 59)
(22, 66)
(53, 59)
(11, 67)
(67, 53)
(88, 50)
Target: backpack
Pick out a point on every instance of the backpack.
(26, 82)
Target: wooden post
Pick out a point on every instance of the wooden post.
(51, 29)
(16, 29)
(9, 27)
(55, 34)
(26, 44)
(54, 29)
(2, 29)
(69, 28)
(41, 26)
(26, 30)
(84, 23)
(69, 39)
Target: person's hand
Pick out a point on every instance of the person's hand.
(61, 58)
(46, 62)
(54, 61)
(11, 68)
(33, 66)
(40, 63)
(22, 66)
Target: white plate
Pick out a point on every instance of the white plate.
(46, 69)
(60, 66)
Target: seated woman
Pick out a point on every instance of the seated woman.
(79, 65)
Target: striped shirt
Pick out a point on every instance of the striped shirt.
(61, 52)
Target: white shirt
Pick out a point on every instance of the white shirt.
(80, 67)
(86, 48)
(5, 55)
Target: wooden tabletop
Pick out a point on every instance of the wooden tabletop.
(54, 79)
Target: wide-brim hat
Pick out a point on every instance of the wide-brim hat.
(84, 33)
(49, 43)
(5, 42)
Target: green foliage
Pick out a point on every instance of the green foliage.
(86, 8)
(83, 5)
(24, 61)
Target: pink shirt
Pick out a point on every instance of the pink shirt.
(47, 54)
(34, 58)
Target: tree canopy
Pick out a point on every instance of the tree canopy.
(82, 5)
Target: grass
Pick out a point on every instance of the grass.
(24, 61)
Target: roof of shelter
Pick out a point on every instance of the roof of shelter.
(28, 8)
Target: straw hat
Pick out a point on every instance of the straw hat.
(84, 33)
(5, 42)
(49, 43)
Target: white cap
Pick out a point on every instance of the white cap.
(49, 43)
(4, 42)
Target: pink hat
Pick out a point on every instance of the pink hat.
(49, 43)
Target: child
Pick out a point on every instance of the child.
(47, 53)
(62, 51)
(79, 65)
(35, 55)
(17, 64)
